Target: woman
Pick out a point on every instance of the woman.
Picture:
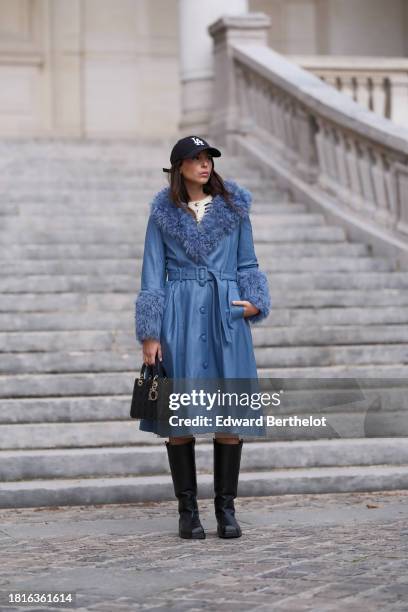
(196, 321)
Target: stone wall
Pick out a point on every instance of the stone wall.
(337, 27)
(89, 68)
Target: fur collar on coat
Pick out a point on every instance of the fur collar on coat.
(199, 239)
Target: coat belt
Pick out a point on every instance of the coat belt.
(204, 274)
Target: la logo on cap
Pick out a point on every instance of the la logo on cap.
(197, 141)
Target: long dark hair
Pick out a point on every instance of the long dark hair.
(179, 194)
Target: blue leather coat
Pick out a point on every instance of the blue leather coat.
(191, 273)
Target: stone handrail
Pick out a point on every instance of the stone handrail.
(378, 83)
(318, 139)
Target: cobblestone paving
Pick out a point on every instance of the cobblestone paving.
(297, 552)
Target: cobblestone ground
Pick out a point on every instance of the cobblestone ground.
(299, 552)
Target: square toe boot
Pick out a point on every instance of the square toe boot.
(183, 472)
(227, 458)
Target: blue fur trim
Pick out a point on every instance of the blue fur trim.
(253, 286)
(149, 308)
(199, 239)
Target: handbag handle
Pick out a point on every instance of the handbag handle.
(154, 372)
(158, 369)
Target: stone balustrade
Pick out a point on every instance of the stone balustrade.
(326, 146)
(378, 83)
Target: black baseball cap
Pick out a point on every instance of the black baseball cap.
(189, 147)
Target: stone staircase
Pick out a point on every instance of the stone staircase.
(73, 218)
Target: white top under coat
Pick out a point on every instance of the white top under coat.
(200, 207)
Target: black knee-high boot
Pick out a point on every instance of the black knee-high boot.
(227, 458)
(183, 472)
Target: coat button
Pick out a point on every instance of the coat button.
(202, 309)
(203, 337)
(205, 364)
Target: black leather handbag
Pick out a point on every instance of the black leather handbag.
(150, 392)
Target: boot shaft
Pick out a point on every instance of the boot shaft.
(183, 467)
(183, 472)
(227, 460)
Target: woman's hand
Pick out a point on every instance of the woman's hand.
(151, 347)
(249, 309)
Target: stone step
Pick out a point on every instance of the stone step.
(46, 182)
(82, 184)
(100, 374)
(363, 421)
(74, 171)
(24, 195)
(102, 360)
(383, 399)
(280, 282)
(357, 371)
(85, 171)
(25, 267)
(348, 315)
(97, 311)
(60, 385)
(91, 156)
(113, 236)
(27, 342)
(65, 409)
(122, 208)
(320, 356)
(9, 209)
(82, 163)
(48, 171)
(131, 250)
(14, 189)
(320, 298)
(323, 335)
(130, 489)
(69, 435)
(56, 156)
(107, 462)
(133, 222)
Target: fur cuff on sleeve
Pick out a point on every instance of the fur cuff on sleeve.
(253, 286)
(149, 308)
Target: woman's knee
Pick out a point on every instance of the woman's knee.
(180, 439)
(227, 439)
